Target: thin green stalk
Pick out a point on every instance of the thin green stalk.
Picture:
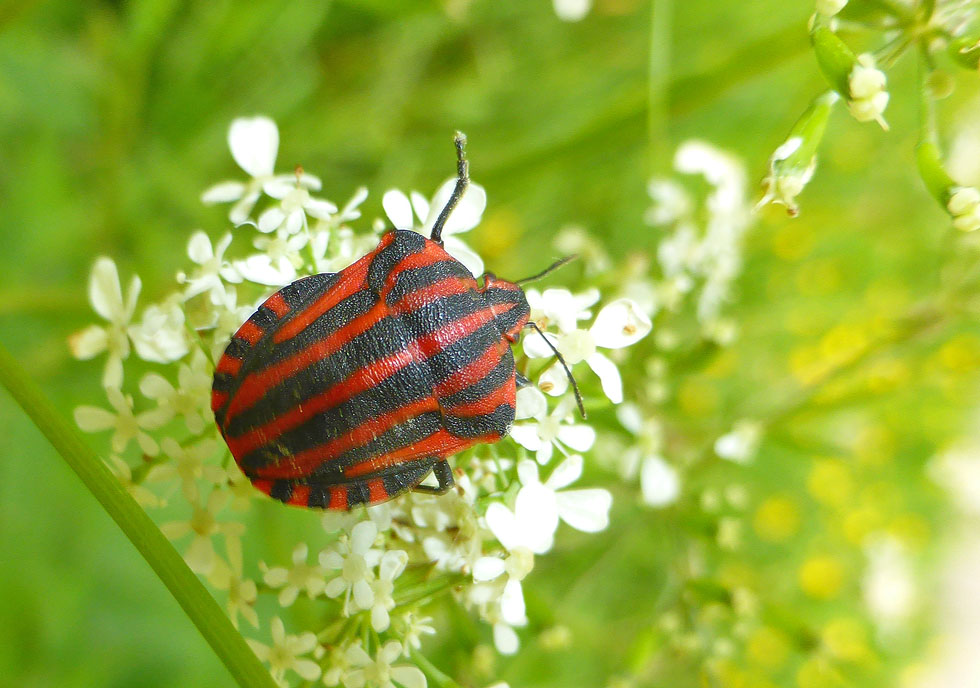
(441, 679)
(203, 610)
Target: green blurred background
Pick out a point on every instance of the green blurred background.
(113, 119)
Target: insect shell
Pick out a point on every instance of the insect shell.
(349, 388)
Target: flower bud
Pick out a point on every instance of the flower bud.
(868, 97)
(964, 207)
(792, 164)
(854, 77)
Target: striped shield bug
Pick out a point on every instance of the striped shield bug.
(349, 388)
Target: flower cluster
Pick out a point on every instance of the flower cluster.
(374, 570)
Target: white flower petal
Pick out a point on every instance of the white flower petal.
(409, 676)
(397, 208)
(363, 594)
(566, 473)
(271, 219)
(392, 564)
(420, 204)
(526, 436)
(467, 213)
(572, 10)
(503, 524)
(512, 603)
(259, 268)
(199, 248)
(531, 403)
(320, 208)
(620, 323)
(554, 380)
(335, 587)
(464, 254)
(239, 212)
(223, 192)
(362, 536)
(585, 510)
(380, 619)
(254, 143)
(505, 638)
(89, 342)
(536, 347)
(537, 517)
(104, 291)
(488, 568)
(307, 669)
(578, 437)
(659, 481)
(92, 419)
(612, 383)
(527, 473)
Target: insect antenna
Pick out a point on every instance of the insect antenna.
(551, 268)
(462, 180)
(578, 395)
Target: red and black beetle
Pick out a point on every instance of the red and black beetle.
(349, 388)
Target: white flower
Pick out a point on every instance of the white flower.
(106, 298)
(212, 267)
(659, 481)
(161, 336)
(572, 10)
(619, 324)
(276, 265)
(518, 563)
(125, 424)
(379, 671)
(188, 465)
(964, 206)
(254, 144)
(380, 515)
(464, 217)
(392, 564)
(412, 627)
(191, 399)
(298, 577)
(242, 592)
(868, 97)
(549, 430)
(740, 444)
(560, 307)
(583, 509)
(203, 525)
(295, 204)
(124, 474)
(783, 186)
(285, 653)
(355, 559)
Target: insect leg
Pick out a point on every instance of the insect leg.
(444, 474)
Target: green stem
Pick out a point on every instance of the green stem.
(438, 677)
(203, 610)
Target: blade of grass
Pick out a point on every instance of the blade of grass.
(203, 610)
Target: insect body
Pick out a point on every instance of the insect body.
(350, 387)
